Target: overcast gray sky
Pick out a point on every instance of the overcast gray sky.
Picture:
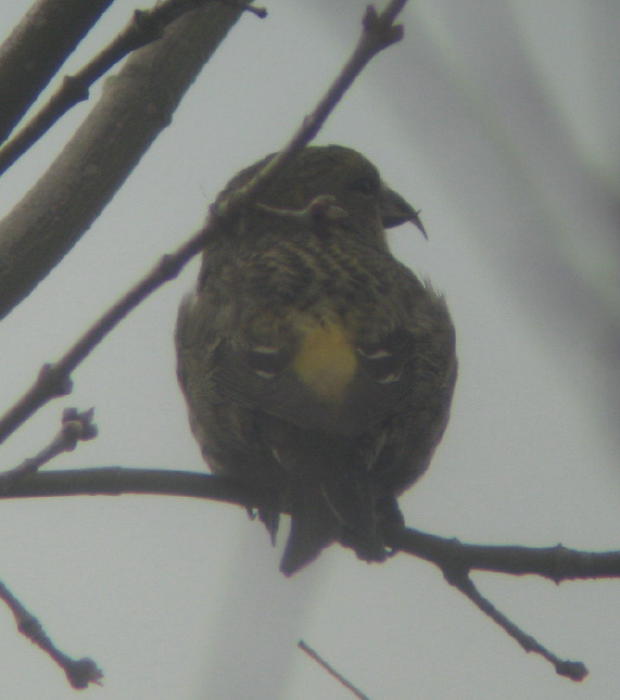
(499, 121)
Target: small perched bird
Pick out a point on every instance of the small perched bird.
(317, 369)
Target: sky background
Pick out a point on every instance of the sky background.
(500, 122)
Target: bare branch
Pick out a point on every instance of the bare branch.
(53, 380)
(454, 558)
(376, 36)
(575, 670)
(114, 481)
(80, 672)
(378, 32)
(331, 670)
(35, 50)
(75, 427)
(145, 27)
(136, 105)
(556, 563)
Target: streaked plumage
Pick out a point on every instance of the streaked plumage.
(316, 367)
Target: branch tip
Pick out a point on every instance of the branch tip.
(379, 28)
(77, 427)
(575, 670)
(82, 672)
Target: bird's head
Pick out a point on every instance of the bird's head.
(368, 206)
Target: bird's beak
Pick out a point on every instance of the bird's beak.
(395, 210)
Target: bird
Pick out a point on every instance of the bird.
(318, 370)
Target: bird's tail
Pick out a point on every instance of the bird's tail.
(329, 510)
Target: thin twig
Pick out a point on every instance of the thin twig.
(54, 379)
(378, 32)
(134, 108)
(80, 672)
(331, 670)
(575, 670)
(145, 27)
(75, 427)
(38, 45)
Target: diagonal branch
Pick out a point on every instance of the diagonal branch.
(54, 380)
(378, 32)
(80, 672)
(575, 670)
(36, 48)
(315, 656)
(135, 107)
(145, 27)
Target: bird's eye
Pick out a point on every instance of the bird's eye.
(366, 185)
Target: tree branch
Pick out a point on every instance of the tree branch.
(378, 32)
(455, 559)
(136, 105)
(54, 380)
(145, 27)
(79, 672)
(315, 656)
(75, 427)
(36, 49)
(556, 563)
(575, 670)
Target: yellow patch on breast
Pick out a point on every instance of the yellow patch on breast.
(325, 361)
